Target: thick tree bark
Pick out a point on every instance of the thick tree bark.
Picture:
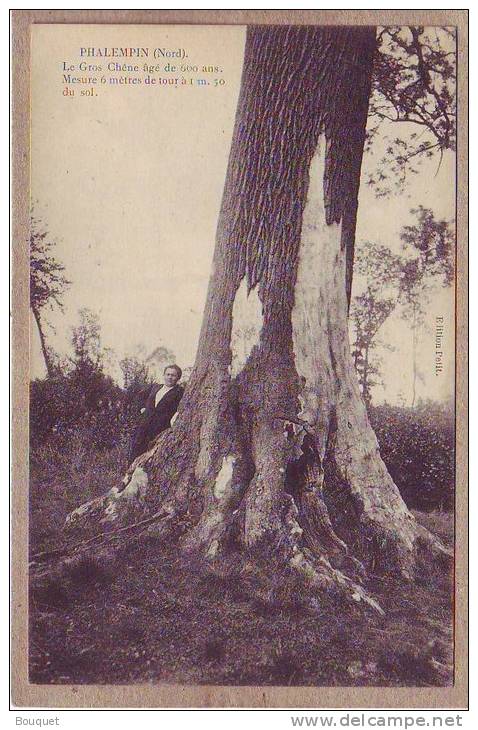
(276, 451)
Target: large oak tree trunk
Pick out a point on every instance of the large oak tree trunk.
(275, 450)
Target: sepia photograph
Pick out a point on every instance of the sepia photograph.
(242, 354)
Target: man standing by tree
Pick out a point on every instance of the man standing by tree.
(161, 405)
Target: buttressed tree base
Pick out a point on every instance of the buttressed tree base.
(273, 453)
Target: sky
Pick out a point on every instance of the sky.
(129, 184)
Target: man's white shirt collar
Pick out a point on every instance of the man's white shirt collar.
(161, 393)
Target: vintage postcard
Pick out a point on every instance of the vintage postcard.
(240, 389)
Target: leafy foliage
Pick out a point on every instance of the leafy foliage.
(136, 375)
(380, 270)
(414, 83)
(47, 279)
(79, 393)
(65, 405)
(47, 283)
(80, 403)
(393, 281)
(429, 251)
(417, 445)
(429, 248)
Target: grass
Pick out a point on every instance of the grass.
(62, 479)
(153, 616)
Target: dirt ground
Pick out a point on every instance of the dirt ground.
(152, 616)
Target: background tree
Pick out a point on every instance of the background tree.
(230, 471)
(157, 360)
(137, 379)
(47, 282)
(135, 372)
(429, 248)
(380, 270)
(79, 401)
(88, 362)
(398, 282)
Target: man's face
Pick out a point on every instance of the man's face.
(171, 377)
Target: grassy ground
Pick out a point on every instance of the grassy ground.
(154, 617)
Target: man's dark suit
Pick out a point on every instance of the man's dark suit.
(155, 418)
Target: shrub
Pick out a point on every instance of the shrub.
(62, 404)
(417, 445)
